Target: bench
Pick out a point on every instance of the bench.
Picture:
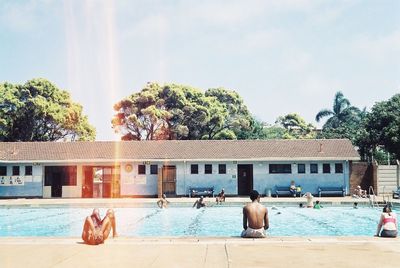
(201, 191)
(285, 191)
(331, 190)
(396, 193)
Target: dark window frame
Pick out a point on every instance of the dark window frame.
(337, 169)
(280, 168)
(69, 175)
(141, 169)
(221, 168)
(28, 170)
(207, 168)
(326, 168)
(303, 171)
(312, 171)
(153, 169)
(3, 170)
(194, 169)
(16, 170)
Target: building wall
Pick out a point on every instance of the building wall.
(133, 183)
(362, 173)
(32, 186)
(309, 182)
(388, 178)
(262, 179)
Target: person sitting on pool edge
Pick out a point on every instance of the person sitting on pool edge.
(293, 188)
(255, 218)
(163, 202)
(220, 197)
(96, 230)
(388, 223)
(199, 203)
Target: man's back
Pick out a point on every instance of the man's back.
(256, 213)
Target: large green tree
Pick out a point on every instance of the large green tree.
(174, 111)
(296, 127)
(344, 120)
(39, 111)
(383, 126)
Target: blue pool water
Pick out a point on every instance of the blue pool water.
(184, 221)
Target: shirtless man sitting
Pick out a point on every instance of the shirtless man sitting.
(255, 218)
(96, 230)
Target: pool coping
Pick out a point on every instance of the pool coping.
(179, 202)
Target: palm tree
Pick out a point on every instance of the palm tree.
(342, 111)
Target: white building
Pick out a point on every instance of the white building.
(147, 168)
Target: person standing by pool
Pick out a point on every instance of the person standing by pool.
(255, 218)
(96, 230)
(163, 202)
(199, 203)
(388, 223)
(309, 198)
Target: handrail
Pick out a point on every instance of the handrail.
(372, 200)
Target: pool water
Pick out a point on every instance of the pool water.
(186, 221)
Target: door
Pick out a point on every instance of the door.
(107, 182)
(169, 180)
(87, 187)
(245, 179)
(56, 186)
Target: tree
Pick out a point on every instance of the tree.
(296, 127)
(181, 112)
(39, 111)
(344, 120)
(383, 126)
(341, 111)
(238, 122)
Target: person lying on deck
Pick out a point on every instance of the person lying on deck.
(96, 230)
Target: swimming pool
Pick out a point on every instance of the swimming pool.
(185, 221)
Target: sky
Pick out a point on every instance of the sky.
(280, 56)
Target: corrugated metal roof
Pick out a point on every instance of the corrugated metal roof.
(338, 149)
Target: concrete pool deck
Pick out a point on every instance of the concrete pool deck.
(196, 252)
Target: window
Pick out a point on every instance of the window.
(64, 174)
(15, 170)
(142, 169)
(326, 168)
(301, 168)
(28, 170)
(280, 168)
(3, 171)
(207, 169)
(338, 168)
(194, 169)
(313, 168)
(153, 169)
(222, 169)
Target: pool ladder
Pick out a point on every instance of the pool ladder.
(372, 197)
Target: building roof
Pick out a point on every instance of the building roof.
(101, 151)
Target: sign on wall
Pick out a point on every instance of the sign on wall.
(11, 181)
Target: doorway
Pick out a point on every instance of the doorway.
(245, 179)
(169, 180)
(101, 182)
